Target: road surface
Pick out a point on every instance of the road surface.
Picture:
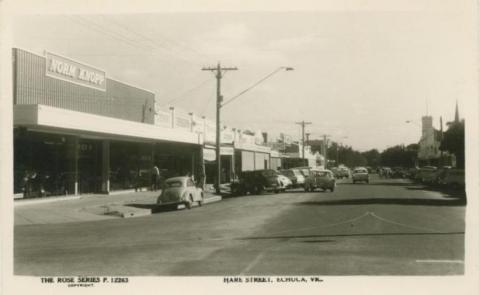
(387, 227)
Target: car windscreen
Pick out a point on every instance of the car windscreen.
(269, 173)
(297, 173)
(321, 173)
(360, 171)
(173, 183)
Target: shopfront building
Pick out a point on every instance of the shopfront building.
(78, 132)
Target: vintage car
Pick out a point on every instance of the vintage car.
(284, 182)
(295, 176)
(323, 179)
(454, 178)
(180, 190)
(426, 174)
(343, 172)
(256, 182)
(360, 174)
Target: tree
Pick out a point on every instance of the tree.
(453, 141)
(399, 156)
(373, 157)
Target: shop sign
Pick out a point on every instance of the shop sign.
(71, 71)
(228, 136)
(226, 151)
(198, 124)
(182, 122)
(210, 132)
(209, 155)
(287, 139)
(163, 118)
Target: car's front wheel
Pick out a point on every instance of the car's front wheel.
(189, 202)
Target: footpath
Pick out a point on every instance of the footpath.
(92, 207)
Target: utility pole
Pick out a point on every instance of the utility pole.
(218, 74)
(325, 147)
(303, 123)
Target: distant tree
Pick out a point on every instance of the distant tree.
(316, 145)
(373, 157)
(454, 142)
(399, 156)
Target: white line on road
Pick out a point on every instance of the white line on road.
(439, 261)
(323, 226)
(402, 224)
(252, 264)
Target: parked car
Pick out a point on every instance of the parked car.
(385, 172)
(256, 182)
(399, 172)
(453, 178)
(440, 174)
(180, 190)
(360, 174)
(295, 176)
(426, 174)
(343, 172)
(284, 182)
(323, 179)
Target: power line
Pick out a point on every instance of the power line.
(118, 36)
(257, 83)
(183, 95)
(163, 46)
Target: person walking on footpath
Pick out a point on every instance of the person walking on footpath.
(155, 178)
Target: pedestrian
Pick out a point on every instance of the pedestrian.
(155, 178)
(201, 178)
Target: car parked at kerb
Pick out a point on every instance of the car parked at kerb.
(284, 182)
(256, 182)
(295, 176)
(180, 190)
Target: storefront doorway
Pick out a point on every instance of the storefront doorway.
(89, 166)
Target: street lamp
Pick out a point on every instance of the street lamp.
(412, 122)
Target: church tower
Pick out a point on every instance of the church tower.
(457, 117)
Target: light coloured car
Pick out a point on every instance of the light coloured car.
(295, 176)
(360, 174)
(284, 182)
(180, 190)
(323, 179)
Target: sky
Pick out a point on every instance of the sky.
(359, 72)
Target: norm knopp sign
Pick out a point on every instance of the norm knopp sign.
(68, 70)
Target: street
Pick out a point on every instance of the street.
(387, 227)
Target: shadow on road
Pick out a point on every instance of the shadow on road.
(386, 183)
(287, 237)
(155, 208)
(388, 201)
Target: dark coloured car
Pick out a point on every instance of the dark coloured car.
(323, 179)
(256, 182)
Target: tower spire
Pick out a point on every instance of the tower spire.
(457, 117)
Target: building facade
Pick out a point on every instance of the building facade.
(77, 131)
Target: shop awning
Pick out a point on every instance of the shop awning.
(46, 118)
